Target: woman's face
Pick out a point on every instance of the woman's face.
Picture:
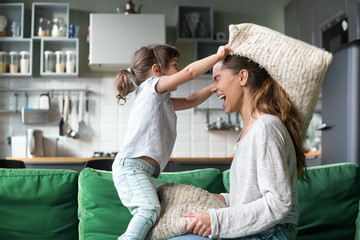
(227, 87)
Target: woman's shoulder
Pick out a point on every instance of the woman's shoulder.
(269, 123)
(269, 120)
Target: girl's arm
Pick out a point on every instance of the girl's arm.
(193, 70)
(192, 100)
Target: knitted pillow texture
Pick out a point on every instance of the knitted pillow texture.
(297, 66)
(177, 199)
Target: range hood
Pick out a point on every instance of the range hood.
(114, 38)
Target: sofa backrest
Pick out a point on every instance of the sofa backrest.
(38, 204)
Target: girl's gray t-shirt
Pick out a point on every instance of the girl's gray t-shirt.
(151, 129)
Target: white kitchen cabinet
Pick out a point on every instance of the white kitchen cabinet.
(114, 38)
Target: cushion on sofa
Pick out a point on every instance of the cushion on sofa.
(329, 202)
(208, 179)
(38, 204)
(226, 180)
(101, 214)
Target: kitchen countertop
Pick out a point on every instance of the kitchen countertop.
(82, 160)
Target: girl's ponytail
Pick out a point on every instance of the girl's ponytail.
(124, 85)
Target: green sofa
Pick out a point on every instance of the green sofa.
(63, 204)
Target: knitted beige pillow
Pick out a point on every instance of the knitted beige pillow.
(177, 199)
(297, 66)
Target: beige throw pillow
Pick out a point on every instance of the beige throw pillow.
(297, 66)
(177, 199)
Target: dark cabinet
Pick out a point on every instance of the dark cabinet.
(304, 19)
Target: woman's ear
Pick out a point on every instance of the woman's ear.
(243, 77)
(156, 70)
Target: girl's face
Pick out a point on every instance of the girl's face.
(228, 88)
(172, 67)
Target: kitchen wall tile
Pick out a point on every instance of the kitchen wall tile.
(106, 121)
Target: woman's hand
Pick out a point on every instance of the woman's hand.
(201, 225)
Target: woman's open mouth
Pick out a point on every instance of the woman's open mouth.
(222, 97)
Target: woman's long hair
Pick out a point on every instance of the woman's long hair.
(270, 98)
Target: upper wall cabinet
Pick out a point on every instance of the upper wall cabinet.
(49, 28)
(114, 38)
(15, 50)
(11, 20)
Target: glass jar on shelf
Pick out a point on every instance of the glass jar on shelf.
(58, 27)
(43, 29)
(24, 61)
(70, 61)
(3, 61)
(14, 62)
(49, 62)
(60, 62)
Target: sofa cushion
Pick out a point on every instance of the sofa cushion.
(38, 204)
(177, 199)
(208, 179)
(328, 202)
(101, 214)
(226, 180)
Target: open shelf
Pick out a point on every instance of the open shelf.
(48, 12)
(71, 44)
(14, 14)
(8, 45)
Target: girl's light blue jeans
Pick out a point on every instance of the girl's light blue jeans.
(279, 232)
(137, 191)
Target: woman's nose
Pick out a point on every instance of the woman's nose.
(213, 88)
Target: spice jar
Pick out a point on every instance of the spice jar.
(58, 27)
(14, 62)
(49, 62)
(24, 61)
(70, 61)
(60, 61)
(43, 27)
(3, 61)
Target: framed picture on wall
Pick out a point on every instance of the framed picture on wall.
(194, 22)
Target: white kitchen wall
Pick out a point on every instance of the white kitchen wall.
(106, 120)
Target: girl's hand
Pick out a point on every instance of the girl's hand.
(201, 225)
(223, 51)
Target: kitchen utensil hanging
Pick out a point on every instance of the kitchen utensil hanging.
(61, 110)
(74, 133)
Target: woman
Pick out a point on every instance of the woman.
(262, 203)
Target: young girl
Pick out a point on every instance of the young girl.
(151, 131)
